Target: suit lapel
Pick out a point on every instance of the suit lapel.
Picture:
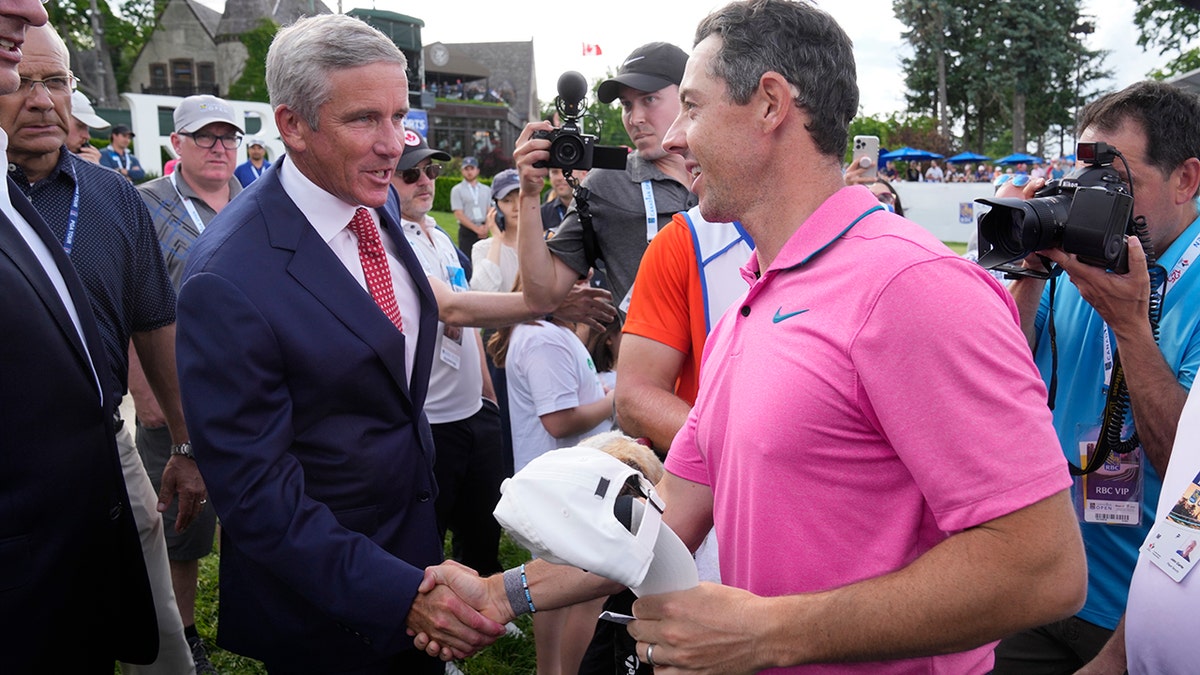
(15, 247)
(315, 267)
(389, 217)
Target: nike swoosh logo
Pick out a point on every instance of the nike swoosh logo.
(780, 316)
(633, 60)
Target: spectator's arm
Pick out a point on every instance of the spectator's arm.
(646, 401)
(1123, 301)
(577, 420)
(545, 279)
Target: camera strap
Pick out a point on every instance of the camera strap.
(591, 246)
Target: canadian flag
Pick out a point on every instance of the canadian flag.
(591, 50)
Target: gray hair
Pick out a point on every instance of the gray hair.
(303, 55)
(800, 42)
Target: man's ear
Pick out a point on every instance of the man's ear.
(292, 128)
(1187, 178)
(776, 98)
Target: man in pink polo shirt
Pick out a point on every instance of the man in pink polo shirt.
(871, 438)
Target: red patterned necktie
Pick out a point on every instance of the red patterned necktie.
(375, 265)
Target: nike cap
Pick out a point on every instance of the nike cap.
(649, 68)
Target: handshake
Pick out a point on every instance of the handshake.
(457, 612)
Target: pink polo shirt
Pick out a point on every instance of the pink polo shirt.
(871, 395)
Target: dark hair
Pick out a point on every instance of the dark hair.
(887, 184)
(800, 42)
(1168, 116)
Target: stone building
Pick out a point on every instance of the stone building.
(196, 50)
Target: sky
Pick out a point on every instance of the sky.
(559, 31)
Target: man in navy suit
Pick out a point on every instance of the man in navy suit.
(304, 356)
(68, 544)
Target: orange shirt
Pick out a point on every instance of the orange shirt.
(670, 309)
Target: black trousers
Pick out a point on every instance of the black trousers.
(469, 469)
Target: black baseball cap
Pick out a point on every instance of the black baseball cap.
(121, 129)
(649, 68)
(416, 149)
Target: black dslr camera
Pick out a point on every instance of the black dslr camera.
(570, 148)
(1087, 213)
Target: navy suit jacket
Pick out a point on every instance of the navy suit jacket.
(68, 544)
(312, 441)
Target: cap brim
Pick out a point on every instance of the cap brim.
(501, 194)
(609, 90)
(673, 567)
(94, 121)
(203, 122)
(410, 159)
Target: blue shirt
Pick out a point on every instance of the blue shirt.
(114, 250)
(1112, 550)
(112, 159)
(246, 173)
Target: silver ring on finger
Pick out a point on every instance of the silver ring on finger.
(650, 656)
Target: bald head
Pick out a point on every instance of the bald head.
(43, 42)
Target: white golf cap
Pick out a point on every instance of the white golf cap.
(82, 110)
(196, 112)
(563, 507)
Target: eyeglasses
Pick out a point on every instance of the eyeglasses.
(410, 176)
(886, 197)
(1018, 179)
(59, 85)
(207, 141)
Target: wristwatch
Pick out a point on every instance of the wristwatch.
(184, 449)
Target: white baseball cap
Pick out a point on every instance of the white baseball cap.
(82, 110)
(563, 507)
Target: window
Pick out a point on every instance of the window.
(206, 77)
(181, 77)
(158, 75)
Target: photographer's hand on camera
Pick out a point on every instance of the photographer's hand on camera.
(545, 280)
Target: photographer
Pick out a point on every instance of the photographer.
(627, 207)
(1095, 315)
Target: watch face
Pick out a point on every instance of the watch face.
(439, 55)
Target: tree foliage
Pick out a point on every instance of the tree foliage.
(1170, 27)
(1012, 66)
(124, 28)
(252, 85)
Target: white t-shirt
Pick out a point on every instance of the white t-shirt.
(1159, 638)
(456, 378)
(488, 276)
(548, 370)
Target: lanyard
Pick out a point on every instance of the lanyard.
(651, 210)
(187, 204)
(123, 160)
(258, 171)
(1177, 272)
(72, 220)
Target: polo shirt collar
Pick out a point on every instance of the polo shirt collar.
(832, 219)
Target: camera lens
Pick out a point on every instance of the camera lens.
(566, 151)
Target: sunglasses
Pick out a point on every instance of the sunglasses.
(410, 176)
(1018, 179)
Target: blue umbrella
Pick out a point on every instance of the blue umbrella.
(907, 154)
(1020, 158)
(968, 157)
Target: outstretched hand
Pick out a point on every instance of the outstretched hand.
(469, 614)
(587, 305)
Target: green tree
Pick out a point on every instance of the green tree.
(1170, 27)
(104, 39)
(252, 85)
(1006, 65)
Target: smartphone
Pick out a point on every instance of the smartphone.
(501, 222)
(866, 145)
